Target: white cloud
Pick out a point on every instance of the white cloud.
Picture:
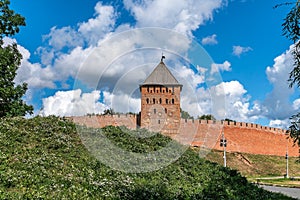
(277, 104)
(87, 34)
(280, 123)
(72, 103)
(225, 100)
(33, 74)
(210, 40)
(239, 50)
(76, 103)
(296, 104)
(233, 89)
(96, 28)
(182, 16)
(123, 103)
(237, 102)
(226, 66)
(63, 37)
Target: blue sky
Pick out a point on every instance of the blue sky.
(85, 56)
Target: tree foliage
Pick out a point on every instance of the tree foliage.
(11, 103)
(291, 30)
(207, 117)
(185, 114)
(295, 128)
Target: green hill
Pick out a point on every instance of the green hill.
(44, 158)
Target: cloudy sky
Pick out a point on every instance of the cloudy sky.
(84, 56)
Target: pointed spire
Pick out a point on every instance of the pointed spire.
(162, 57)
(161, 75)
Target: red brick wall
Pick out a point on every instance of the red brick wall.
(240, 136)
(244, 137)
(99, 121)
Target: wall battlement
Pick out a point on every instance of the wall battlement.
(241, 136)
(236, 124)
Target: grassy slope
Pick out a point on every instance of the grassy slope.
(44, 158)
(257, 165)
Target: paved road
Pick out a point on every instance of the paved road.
(292, 192)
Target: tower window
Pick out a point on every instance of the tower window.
(154, 111)
(153, 100)
(167, 101)
(159, 100)
(147, 101)
(166, 110)
(173, 101)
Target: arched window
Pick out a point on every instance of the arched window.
(173, 101)
(158, 121)
(147, 101)
(154, 111)
(159, 100)
(166, 110)
(167, 101)
(153, 100)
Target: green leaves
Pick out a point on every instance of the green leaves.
(11, 103)
(291, 29)
(9, 20)
(294, 129)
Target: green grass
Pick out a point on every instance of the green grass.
(290, 182)
(44, 158)
(255, 166)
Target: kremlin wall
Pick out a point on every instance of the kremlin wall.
(240, 136)
(160, 112)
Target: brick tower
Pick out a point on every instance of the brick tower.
(160, 101)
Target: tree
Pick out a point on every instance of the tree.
(185, 114)
(11, 103)
(207, 117)
(109, 111)
(229, 120)
(291, 30)
(295, 128)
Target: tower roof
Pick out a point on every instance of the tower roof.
(161, 75)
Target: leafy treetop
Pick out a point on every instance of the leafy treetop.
(11, 103)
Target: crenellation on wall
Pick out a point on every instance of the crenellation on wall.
(250, 138)
(202, 121)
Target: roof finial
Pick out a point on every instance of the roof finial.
(162, 57)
